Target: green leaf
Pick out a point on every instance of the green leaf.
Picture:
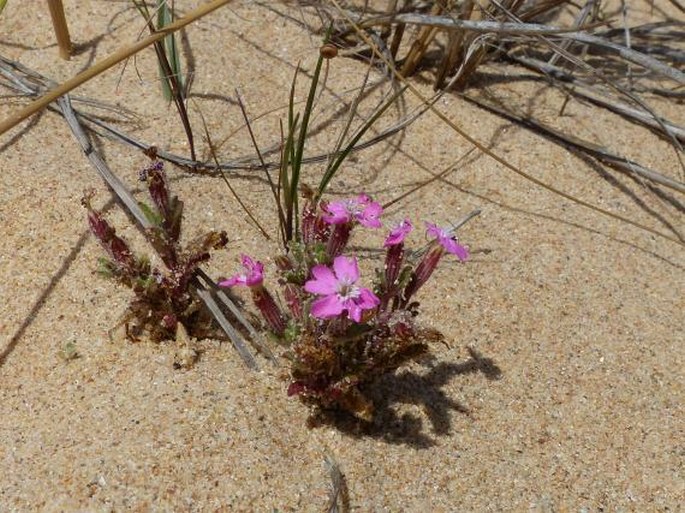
(165, 16)
(105, 267)
(153, 217)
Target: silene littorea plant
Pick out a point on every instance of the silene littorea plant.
(162, 296)
(341, 335)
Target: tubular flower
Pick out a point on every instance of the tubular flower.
(395, 255)
(360, 209)
(253, 274)
(253, 277)
(398, 233)
(444, 242)
(447, 241)
(339, 290)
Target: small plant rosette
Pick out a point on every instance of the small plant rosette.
(163, 297)
(339, 334)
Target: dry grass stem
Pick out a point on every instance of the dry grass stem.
(481, 147)
(59, 23)
(107, 63)
(28, 82)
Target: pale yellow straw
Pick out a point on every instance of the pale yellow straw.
(59, 23)
(107, 63)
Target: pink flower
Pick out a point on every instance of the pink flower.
(339, 291)
(447, 241)
(398, 233)
(253, 275)
(360, 209)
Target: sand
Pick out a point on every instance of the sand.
(562, 387)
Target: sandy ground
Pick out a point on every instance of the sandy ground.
(561, 389)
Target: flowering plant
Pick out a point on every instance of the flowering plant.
(163, 297)
(340, 334)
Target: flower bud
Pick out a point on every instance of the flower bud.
(424, 270)
(339, 239)
(264, 301)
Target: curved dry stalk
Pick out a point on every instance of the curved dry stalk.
(602, 76)
(59, 24)
(532, 29)
(664, 126)
(30, 83)
(471, 50)
(599, 152)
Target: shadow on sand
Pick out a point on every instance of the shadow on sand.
(408, 387)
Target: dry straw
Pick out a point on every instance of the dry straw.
(59, 23)
(508, 19)
(107, 63)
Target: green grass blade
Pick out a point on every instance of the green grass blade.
(289, 191)
(165, 16)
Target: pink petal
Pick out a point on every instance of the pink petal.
(452, 246)
(253, 274)
(346, 269)
(337, 213)
(363, 199)
(354, 311)
(369, 217)
(398, 233)
(447, 241)
(327, 306)
(324, 281)
(433, 231)
(367, 299)
(234, 280)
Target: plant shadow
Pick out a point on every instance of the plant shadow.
(408, 387)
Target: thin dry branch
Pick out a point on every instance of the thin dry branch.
(59, 24)
(532, 29)
(591, 94)
(30, 83)
(600, 153)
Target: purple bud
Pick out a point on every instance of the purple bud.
(293, 300)
(314, 229)
(339, 239)
(393, 263)
(115, 246)
(308, 225)
(269, 309)
(159, 189)
(424, 270)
